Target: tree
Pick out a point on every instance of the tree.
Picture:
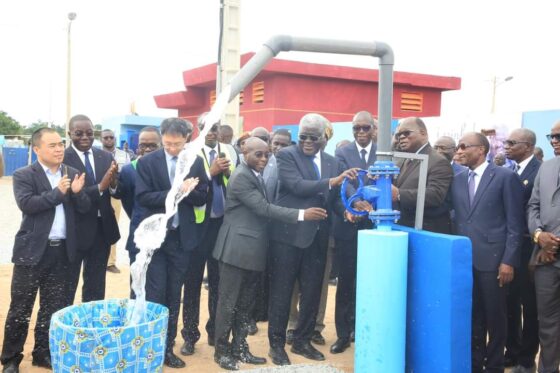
(8, 125)
(39, 123)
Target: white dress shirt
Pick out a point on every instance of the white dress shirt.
(58, 228)
(478, 174)
(524, 164)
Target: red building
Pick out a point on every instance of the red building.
(286, 90)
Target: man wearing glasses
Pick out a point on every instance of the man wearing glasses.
(122, 158)
(412, 137)
(544, 225)
(488, 204)
(98, 228)
(149, 140)
(359, 154)
(168, 268)
(523, 339)
(308, 178)
(445, 146)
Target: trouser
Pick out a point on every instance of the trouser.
(94, 261)
(193, 281)
(294, 312)
(345, 309)
(236, 292)
(164, 279)
(288, 264)
(49, 277)
(547, 285)
(523, 327)
(489, 318)
(117, 206)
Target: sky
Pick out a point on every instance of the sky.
(128, 51)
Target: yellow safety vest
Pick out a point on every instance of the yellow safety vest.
(200, 211)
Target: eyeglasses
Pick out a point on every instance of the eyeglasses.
(404, 133)
(82, 133)
(465, 146)
(441, 147)
(152, 145)
(108, 137)
(512, 143)
(311, 138)
(359, 128)
(555, 136)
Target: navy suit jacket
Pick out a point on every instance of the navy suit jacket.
(300, 188)
(37, 201)
(349, 157)
(495, 221)
(457, 168)
(152, 186)
(99, 202)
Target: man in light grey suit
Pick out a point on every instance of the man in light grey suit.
(241, 250)
(544, 224)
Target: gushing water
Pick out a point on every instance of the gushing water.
(150, 234)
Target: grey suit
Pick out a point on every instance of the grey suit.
(544, 213)
(241, 249)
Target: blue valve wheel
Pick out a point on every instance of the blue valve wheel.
(359, 195)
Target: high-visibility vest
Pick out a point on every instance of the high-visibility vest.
(200, 211)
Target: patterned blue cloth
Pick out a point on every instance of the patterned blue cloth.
(96, 337)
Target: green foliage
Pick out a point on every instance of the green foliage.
(8, 125)
(39, 123)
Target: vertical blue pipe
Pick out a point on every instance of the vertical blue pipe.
(381, 301)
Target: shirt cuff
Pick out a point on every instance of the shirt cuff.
(300, 215)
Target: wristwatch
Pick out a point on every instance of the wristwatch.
(536, 235)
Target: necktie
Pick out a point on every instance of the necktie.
(363, 152)
(317, 171)
(472, 174)
(218, 197)
(175, 222)
(263, 186)
(90, 176)
(517, 167)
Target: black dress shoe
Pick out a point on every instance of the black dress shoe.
(252, 328)
(340, 345)
(211, 340)
(248, 358)
(279, 356)
(307, 350)
(509, 361)
(225, 361)
(187, 348)
(317, 338)
(173, 361)
(290, 336)
(43, 362)
(11, 367)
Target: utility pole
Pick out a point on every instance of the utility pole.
(229, 58)
(71, 17)
(495, 83)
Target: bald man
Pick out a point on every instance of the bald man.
(241, 250)
(445, 146)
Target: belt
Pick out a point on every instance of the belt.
(55, 243)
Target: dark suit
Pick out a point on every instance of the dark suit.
(440, 176)
(201, 257)
(494, 223)
(457, 168)
(346, 246)
(97, 228)
(543, 213)
(241, 250)
(523, 337)
(169, 264)
(39, 263)
(299, 249)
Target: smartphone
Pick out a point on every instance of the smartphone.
(222, 155)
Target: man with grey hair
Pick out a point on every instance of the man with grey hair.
(308, 177)
(522, 343)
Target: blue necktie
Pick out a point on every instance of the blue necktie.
(471, 186)
(218, 197)
(317, 171)
(175, 222)
(90, 176)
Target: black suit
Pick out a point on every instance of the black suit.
(523, 338)
(346, 246)
(40, 264)
(241, 250)
(169, 264)
(97, 228)
(299, 249)
(440, 176)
